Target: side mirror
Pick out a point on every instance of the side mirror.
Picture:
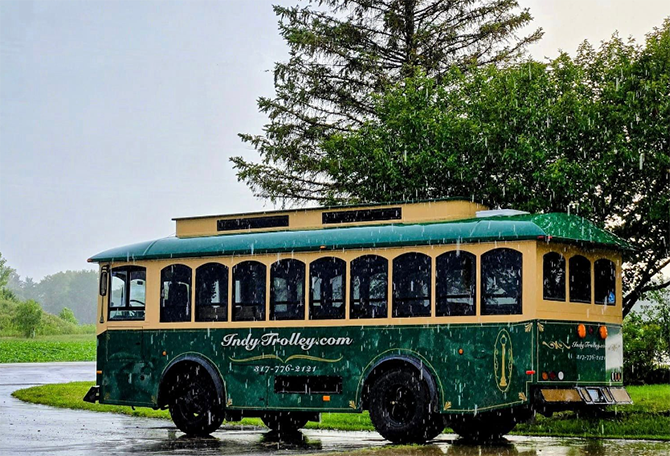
(104, 280)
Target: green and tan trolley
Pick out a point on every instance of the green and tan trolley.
(424, 313)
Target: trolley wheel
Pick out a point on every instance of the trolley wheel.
(284, 422)
(484, 427)
(195, 406)
(400, 408)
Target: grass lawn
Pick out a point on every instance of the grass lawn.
(69, 347)
(649, 417)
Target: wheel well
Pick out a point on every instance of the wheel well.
(398, 363)
(184, 366)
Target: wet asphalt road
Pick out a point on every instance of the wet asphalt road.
(29, 429)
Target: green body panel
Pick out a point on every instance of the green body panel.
(559, 227)
(590, 360)
(477, 379)
(491, 373)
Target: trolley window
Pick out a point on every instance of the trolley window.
(249, 291)
(287, 290)
(411, 285)
(553, 277)
(605, 282)
(501, 282)
(369, 287)
(327, 288)
(176, 293)
(128, 293)
(455, 276)
(211, 292)
(580, 279)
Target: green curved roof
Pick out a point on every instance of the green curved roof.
(555, 226)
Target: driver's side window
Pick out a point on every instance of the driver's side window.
(128, 293)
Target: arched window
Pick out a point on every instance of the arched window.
(369, 287)
(411, 285)
(501, 282)
(211, 292)
(176, 293)
(455, 283)
(249, 291)
(553, 281)
(580, 279)
(327, 278)
(128, 293)
(605, 282)
(287, 290)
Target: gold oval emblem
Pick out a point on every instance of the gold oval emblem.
(503, 360)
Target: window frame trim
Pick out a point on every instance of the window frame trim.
(311, 301)
(476, 274)
(195, 293)
(392, 304)
(482, 284)
(126, 289)
(566, 281)
(590, 282)
(264, 304)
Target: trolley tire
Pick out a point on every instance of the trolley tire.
(400, 408)
(284, 422)
(483, 428)
(195, 406)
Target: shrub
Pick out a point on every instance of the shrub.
(28, 317)
(66, 314)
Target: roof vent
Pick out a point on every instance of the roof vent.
(500, 213)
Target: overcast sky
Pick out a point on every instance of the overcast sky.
(116, 116)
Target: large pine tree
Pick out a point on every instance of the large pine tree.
(341, 51)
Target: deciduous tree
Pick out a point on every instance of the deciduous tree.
(28, 317)
(588, 135)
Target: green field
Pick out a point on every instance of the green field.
(68, 347)
(649, 417)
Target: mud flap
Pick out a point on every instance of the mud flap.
(93, 395)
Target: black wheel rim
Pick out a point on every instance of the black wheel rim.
(194, 401)
(399, 403)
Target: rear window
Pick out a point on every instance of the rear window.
(580, 279)
(553, 277)
(605, 282)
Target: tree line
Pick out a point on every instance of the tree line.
(75, 291)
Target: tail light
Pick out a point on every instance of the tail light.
(602, 332)
(581, 331)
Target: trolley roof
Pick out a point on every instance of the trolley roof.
(552, 227)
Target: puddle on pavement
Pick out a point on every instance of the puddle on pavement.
(528, 447)
(315, 443)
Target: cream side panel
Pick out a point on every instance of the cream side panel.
(556, 310)
(311, 219)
